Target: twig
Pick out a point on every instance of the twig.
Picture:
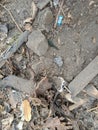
(12, 17)
(40, 82)
(92, 109)
(58, 13)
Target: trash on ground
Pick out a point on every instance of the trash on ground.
(26, 110)
(60, 20)
(58, 60)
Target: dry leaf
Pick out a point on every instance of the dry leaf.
(36, 101)
(26, 109)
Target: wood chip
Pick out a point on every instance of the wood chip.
(91, 91)
(78, 103)
(26, 108)
(84, 77)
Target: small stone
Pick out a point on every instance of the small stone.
(46, 17)
(58, 60)
(37, 43)
(42, 3)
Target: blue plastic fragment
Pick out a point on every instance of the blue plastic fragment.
(60, 19)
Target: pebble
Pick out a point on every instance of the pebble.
(58, 60)
(37, 43)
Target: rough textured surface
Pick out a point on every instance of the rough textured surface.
(20, 84)
(84, 77)
(37, 42)
(42, 3)
(46, 16)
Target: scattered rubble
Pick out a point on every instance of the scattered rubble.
(45, 70)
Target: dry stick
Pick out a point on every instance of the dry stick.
(14, 47)
(12, 17)
(92, 109)
(58, 13)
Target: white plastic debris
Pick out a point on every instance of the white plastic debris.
(58, 60)
(63, 85)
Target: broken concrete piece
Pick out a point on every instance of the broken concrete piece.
(84, 77)
(91, 91)
(42, 3)
(20, 84)
(37, 42)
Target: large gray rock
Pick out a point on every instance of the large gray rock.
(37, 42)
(42, 3)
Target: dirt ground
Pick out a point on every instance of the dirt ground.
(77, 43)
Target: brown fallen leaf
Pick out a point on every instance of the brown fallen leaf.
(26, 109)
